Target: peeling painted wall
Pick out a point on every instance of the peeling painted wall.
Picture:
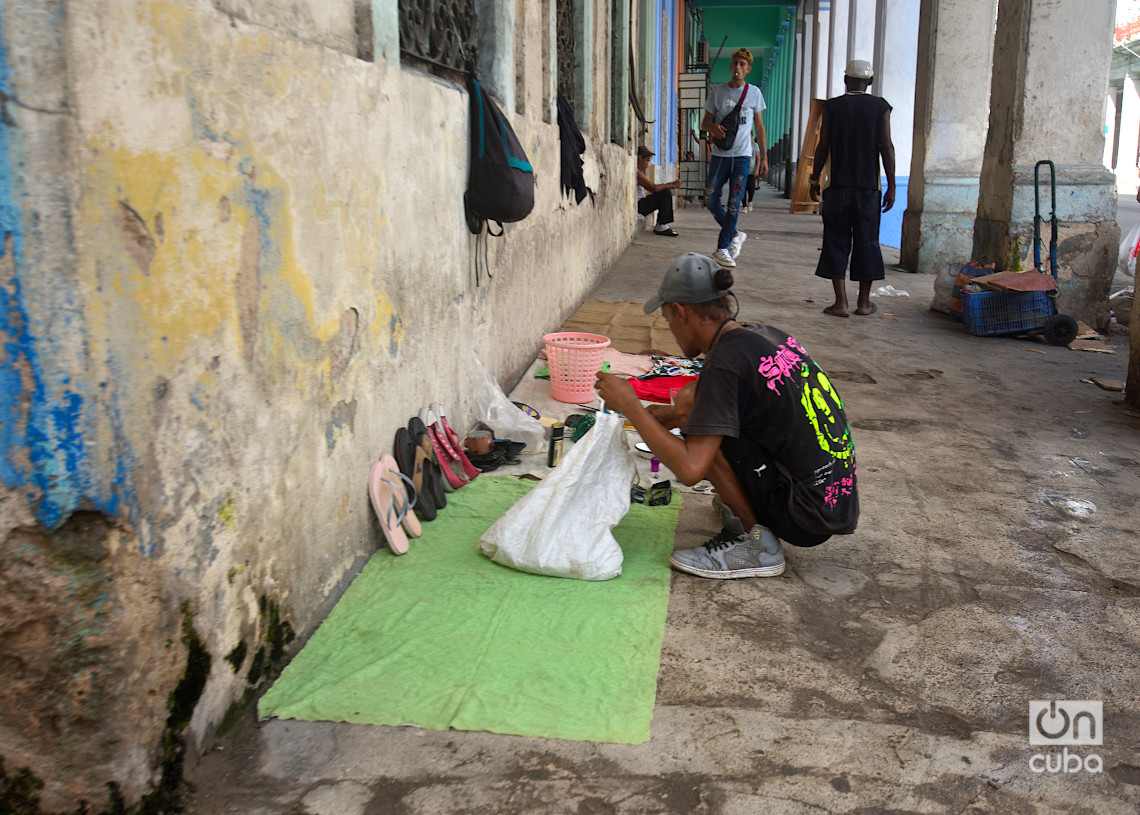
(235, 261)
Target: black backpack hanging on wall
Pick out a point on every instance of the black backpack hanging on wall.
(500, 185)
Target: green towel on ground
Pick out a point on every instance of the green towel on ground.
(443, 638)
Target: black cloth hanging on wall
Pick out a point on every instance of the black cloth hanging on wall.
(573, 146)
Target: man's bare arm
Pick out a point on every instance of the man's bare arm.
(887, 153)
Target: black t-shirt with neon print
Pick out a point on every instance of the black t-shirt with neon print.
(759, 388)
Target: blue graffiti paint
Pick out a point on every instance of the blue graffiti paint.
(42, 417)
(332, 427)
(11, 407)
(393, 330)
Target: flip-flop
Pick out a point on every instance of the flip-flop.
(410, 460)
(448, 458)
(437, 484)
(389, 509)
(405, 492)
(874, 308)
(450, 435)
(831, 310)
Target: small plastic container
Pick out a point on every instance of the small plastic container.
(574, 359)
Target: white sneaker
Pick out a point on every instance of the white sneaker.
(737, 243)
(748, 208)
(722, 257)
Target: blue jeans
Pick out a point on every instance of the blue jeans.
(733, 170)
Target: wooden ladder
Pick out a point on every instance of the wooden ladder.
(801, 201)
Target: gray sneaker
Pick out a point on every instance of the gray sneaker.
(757, 554)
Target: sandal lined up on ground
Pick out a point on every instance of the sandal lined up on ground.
(387, 491)
(428, 462)
(420, 465)
(449, 441)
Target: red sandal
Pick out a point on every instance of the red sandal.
(453, 473)
(469, 469)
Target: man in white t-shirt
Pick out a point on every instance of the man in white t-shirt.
(734, 101)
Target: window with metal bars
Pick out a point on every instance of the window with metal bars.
(567, 51)
(438, 36)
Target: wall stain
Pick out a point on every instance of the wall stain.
(135, 236)
(247, 288)
(343, 413)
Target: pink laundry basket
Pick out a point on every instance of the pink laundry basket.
(575, 359)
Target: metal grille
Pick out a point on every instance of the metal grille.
(567, 50)
(438, 32)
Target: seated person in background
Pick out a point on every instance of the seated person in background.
(762, 423)
(655, 197)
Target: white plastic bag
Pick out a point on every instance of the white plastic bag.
(889, 291)
(561, 528)
(491, 406)
(1126, 259)
(944, 287)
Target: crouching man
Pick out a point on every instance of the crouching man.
(762, 423)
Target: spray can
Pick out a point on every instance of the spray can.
(555, 454)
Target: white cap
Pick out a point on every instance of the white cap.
(859, 69)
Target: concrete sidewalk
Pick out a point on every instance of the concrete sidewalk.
(891, 670)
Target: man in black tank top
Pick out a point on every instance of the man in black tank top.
(855, 133)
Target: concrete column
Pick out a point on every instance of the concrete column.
(1126, 174)
(495, 37)
(619, 81)
(895, 56)
(896, 49)
(386, 31)
(837, 47)
(821, 51)
(950, 118)
(860, 33)
(1110, 146)
(1045, 103)
(805, 33)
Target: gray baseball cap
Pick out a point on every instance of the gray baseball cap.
(688, 280)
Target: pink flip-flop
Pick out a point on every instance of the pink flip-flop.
(390, 503)
(404, 492)
(448, 458)
(469, 469)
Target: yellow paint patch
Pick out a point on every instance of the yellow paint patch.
(180, 304)
(177, 299)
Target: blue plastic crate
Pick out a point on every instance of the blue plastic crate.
(987, 313)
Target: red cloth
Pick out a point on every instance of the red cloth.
(658, 388)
